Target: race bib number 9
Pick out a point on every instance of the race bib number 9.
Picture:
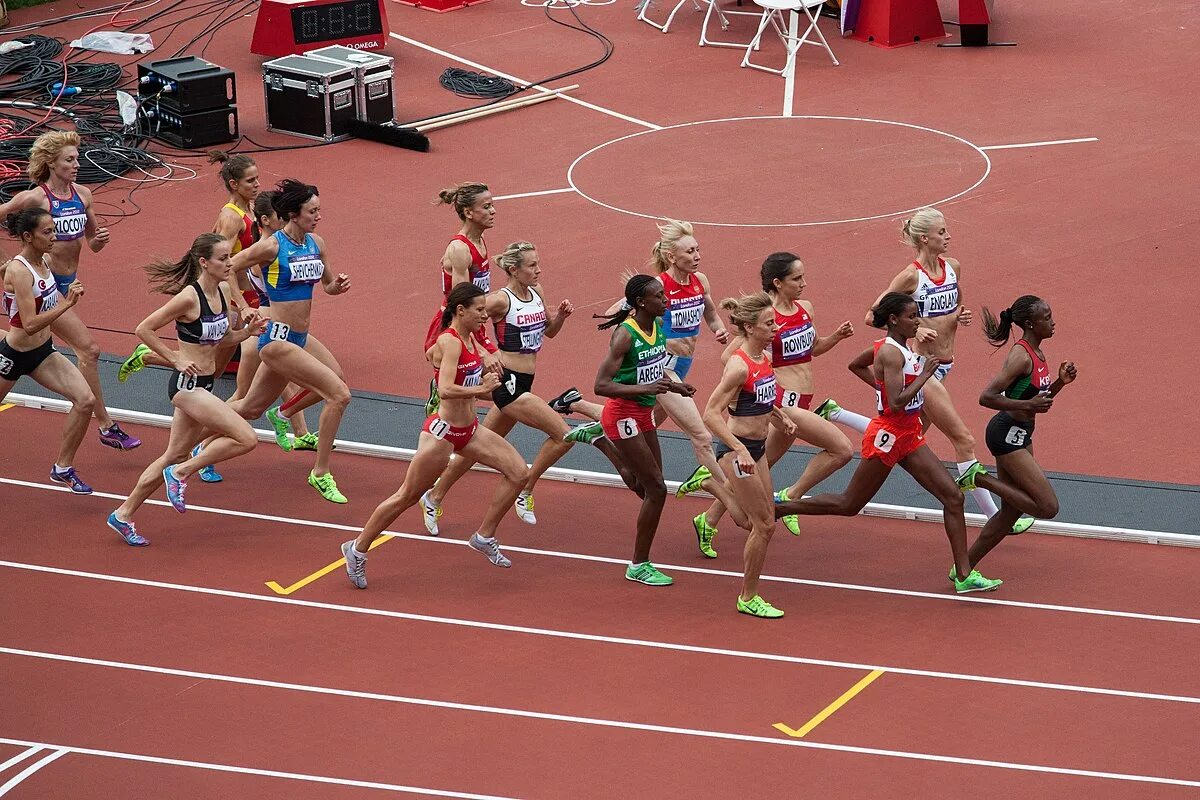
(884, 441)
(627, 428)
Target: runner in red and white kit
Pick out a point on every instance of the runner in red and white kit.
(895, 436)
(465, 261)
(462, 380)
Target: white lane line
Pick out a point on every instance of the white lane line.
(595, 721)
(32, 768)
(533, 194)
(1039, 144)
(19, 757)
(269, 773)
(523, 82)
(616, 640)
(447, 540)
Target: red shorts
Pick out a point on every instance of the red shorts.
(251, 297)
(891, 440)
(438, 428)
(785, 398)
(435, 330)
(625, 419)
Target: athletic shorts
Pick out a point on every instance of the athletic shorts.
(512, 386)
(943, 370)
(1006, 435)
(63, 282)
(280, 332)
(435, 330)
(757, 448)
(15, 363)
(625, 419)
(892, 441)
(680, 365)
(438, 428)
(786, 398)
(181, 382)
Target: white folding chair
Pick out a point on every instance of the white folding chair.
(644, 6)
(774, 14)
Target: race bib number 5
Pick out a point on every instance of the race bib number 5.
(627, 428)
(1016, 436)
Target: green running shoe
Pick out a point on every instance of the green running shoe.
(133, 364)
(975, 583)
(306, 442)
(757, 607)
(791, 521)
(705, 534)
(647, 573)
(692, 484)
(966, 481)
(585, 434)
(327, 486)
(435, 399)
(827, 409)
(281, 426)
(1022, 525)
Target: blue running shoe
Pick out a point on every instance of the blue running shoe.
(69, 478)
(127, 531)
(207, 474)
(175, 489)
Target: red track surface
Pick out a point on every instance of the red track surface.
(327, 640)
(1092, 227)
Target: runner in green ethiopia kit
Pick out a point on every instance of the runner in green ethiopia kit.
(631, 377)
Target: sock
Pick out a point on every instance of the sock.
(286, 407)
(851, 420)
(982, 496)
(61, 470)
(357, 552)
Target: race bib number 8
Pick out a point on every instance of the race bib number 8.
(627, 428)
(884, 441)
(1016, 436)
(790, 399)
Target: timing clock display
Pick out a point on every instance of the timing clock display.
(336, 21)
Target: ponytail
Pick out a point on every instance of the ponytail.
(997, 330)
(167, 277)
(635, 287)
(461, 295)
(891, 304)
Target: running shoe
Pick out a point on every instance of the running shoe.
(791, 521)
(524, 508)
(757, 607)
(1023, 524)
(68, 478)
(435, 399)
(705, 534)
(431, 513)
(282, 426)
(648, 574)
(585, 434)
(133, 364)
(827, 409)
(356, 565)
(562, 403)
(966, 481)
(692, 484)
(127, 531)
(115, 437)
(974, 583)
(306, 442)
(207, 474)
(490, 548)
(175, 488)
(327, 486)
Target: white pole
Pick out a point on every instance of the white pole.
(789, 77)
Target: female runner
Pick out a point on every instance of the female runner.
(54, 165)
(518, 311)
(33, 303)
(1021, 391)
(896, 437)
(297, 259)
(453, 429)
(932, 280)
(794, 346)
(632, 378)
(748, 391)
(199, 307)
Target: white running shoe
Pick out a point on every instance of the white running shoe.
(430, 513)
(524, 508)
(490, 548)
(356, 565)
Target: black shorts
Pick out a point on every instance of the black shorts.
(15, 363)
(512, 385)
(757, 448)
(179, 382)
(1006, 435)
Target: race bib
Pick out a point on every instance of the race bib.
(652, 371)
(739, 472)
(482, 279)
(684, 317)
(798, 342)
(627, 428)
(1016, 436)
(884, 440)
(306, 268)
(942, 301)
(474, 378)
(531, 340)
(278, 331)
(213, 331)
(438, 428)
(6, 365)
(764, 391)
(70, 226)
(185, 382)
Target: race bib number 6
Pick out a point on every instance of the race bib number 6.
(627, 428)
